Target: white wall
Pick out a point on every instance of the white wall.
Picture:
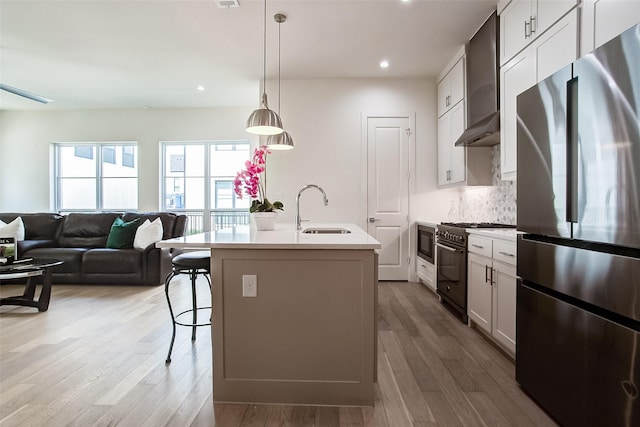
(323, 116)
(25, 139)
(325, 119)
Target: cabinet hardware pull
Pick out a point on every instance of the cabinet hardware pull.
(478, 246)
(533, 24)
(506, 254)
(526, 29)
(492, 282)
(486, 273)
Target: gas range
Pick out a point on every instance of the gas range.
(451, 262)
(454, 232)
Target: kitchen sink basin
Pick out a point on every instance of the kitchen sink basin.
(321, 230)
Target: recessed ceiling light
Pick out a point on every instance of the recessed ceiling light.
(225, 4)
(200, 88)
(384, 64)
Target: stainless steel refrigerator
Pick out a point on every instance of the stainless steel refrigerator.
(578, 298)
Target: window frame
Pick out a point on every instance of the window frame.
(209, 209)
(98, 176)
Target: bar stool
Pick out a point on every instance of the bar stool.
(193, 264)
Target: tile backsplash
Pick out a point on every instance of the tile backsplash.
(486, 204)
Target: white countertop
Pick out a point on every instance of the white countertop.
(496, 233)
(284, 236)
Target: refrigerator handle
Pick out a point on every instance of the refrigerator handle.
(572, 150)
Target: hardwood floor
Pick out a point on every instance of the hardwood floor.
(96, 358)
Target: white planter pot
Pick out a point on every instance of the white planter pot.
(264, 221)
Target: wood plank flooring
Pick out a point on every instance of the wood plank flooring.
(96, 358)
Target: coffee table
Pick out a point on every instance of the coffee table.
(30, 271)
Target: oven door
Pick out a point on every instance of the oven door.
(426, 243)
(452, 275)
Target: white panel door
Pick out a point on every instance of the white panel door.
(388, 193)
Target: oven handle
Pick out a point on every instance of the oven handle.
(447, 248)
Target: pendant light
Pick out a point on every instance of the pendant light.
(264, 121)
(281, 141)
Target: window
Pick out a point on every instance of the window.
(128, 156)
(109, 155)
(94, 177)
(84, 151)
(197, 179)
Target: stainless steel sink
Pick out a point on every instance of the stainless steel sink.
(321, 230)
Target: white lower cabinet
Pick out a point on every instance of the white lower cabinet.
(426, 273)
(480, 291)
(491, 298)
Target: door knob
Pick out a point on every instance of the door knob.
(372, 219)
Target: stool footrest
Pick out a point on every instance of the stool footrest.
(191, 311)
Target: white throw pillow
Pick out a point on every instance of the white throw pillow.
(14, 229)
(148, 233)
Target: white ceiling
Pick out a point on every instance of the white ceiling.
(131, 54)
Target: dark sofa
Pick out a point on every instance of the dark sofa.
(80, 241)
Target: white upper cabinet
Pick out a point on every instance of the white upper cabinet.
(515, 28)
(457, 165)
(451, 159)
(515, 76)
(523, 21)
(603, 20)
(555, 49)
(451, 88)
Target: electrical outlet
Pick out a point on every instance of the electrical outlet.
(249, 285)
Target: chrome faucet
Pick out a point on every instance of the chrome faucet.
(324, 195)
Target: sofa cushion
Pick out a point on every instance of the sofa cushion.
(86, 230)
(148, 233)
(100, 261)
(27, 245)
(37, 226)
(169, 222)
(122, 233)
(13, 229)
(71, 257)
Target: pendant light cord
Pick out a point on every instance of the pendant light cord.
(279, 84)
(264, 52)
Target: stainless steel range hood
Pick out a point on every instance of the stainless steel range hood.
(483, 114)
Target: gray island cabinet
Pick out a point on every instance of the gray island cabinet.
(309, 336)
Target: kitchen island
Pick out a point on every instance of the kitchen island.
(309, 335)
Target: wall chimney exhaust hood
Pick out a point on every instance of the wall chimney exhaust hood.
(483, 113)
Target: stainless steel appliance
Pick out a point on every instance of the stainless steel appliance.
(452, 263)
(578, 298)
(426, 242)
(483, 102)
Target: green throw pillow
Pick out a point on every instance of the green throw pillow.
(122, 234)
